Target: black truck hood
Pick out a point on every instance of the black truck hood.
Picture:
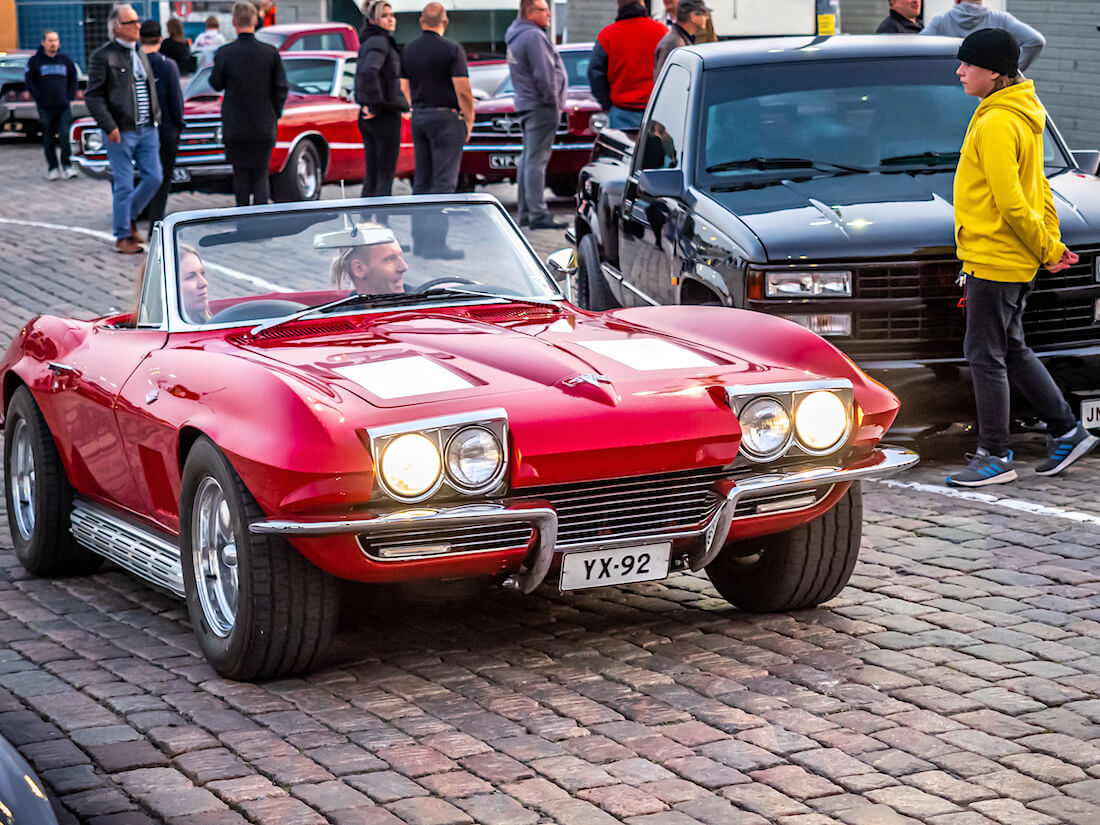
(849, 217)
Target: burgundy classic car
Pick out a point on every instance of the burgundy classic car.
(296, 399)
(318, 139)
(496, 141)
(297, 37)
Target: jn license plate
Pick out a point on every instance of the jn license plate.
(622, 565)
(1090, 413)
(180, 175)
(502, 161)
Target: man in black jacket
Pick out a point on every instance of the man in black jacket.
(51, 80)
(251, 73)
(170, 97)
(904, 18)
(122, 97)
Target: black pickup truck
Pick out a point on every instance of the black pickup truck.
(812, 179)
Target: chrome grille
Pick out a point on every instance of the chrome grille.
(201, 136)
(499, 125)
(476, 539)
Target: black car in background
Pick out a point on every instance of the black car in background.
(812, 178)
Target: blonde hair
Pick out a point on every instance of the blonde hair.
(339, 266)
(1004, 81)
(374, 10)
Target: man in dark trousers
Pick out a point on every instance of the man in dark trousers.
(170, 97)
(251, 73)
(51, 80)
(435, 79)
(122, 97)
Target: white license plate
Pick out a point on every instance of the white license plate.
(1090, 413)
(180, 175)
(623, 565)
(503, 161)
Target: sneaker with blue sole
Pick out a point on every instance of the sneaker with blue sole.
(983, 469)
(1065, 451)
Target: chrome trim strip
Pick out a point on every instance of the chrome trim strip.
(438, 422)
(515, 149)
(148, 554)
(787, 386)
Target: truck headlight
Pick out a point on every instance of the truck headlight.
(411, 465)
(91, 141)
(765, 428)
(474, 458)
(820, 420)
(808, 284)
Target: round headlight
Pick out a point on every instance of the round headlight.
(474, 457)
(765, 427)
(598, 122)
(820, 420)
(410, 465)
(92, 140)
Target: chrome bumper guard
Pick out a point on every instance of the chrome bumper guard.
(541, 516)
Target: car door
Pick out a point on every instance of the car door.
(652, 225)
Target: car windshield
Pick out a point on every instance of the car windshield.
(304, 75)
(263, 267)
(888, 115)
(576, 72)
(271, 38)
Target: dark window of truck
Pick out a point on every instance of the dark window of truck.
(661, 143)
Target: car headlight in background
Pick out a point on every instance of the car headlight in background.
(820, 420)
(808, 284)
(91, 141)
(765, 428)
(474, 458)
(411, 465)
(598, 122)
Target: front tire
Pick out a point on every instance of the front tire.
(591, 290)
(302, 177)
(39, 496)
(258, 608)
(800, 568)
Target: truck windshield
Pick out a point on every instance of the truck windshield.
(889, 115)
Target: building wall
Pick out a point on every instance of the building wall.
(9, 34)
(862, 16)
(587, 17)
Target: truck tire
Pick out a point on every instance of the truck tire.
(563, 187)
(590, 289)
(301, 178)
(800, 568)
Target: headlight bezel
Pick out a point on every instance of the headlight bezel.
(90, 136)
(769, 455)
(813, 281)
(790, 395)
(493, 480)
(440, 431)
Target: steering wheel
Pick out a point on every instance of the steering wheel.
(255, 310)
(447, 279)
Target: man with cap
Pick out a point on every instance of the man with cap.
(691, 20)
(1006, 227)
(170, 97)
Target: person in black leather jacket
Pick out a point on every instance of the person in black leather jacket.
(381, 102)
(121, 95)
(251, 73)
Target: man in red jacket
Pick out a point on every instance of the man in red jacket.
(620, 71)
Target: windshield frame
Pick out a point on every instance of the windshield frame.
(177, 322)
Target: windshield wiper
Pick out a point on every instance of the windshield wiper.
(923, 158)
(764, 164)
(443, 291)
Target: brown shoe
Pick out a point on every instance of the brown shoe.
(127, 246)
(135, 233)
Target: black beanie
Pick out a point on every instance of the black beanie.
(993, 49)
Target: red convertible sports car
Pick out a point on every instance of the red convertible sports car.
(297, 398)
(318, 140)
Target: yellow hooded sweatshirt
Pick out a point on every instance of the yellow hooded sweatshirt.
(1006, 225)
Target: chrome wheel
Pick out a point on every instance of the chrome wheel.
(307, 173)
(214, 554)
(21, 479)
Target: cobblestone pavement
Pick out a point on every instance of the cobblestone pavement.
(955, 682)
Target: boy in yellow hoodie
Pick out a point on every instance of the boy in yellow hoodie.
(1006, 227)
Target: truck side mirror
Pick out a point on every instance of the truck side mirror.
(661, 183)
(1087, 160)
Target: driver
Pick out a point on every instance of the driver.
(193, 284)
(375, 266)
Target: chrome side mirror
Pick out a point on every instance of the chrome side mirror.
(563, 265)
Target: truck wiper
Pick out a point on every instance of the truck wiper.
(763, 164)
(923, 158)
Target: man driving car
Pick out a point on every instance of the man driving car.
(374, 266)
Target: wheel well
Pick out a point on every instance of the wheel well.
(319, 144)
(187, 439)
(694, 293)
(12, 382)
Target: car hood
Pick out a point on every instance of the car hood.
(847, 217)
(212, 106)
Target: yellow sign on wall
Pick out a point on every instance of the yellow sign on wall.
(826, 24)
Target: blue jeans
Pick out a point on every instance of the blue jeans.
(539, 127)
(624, 119)
(138, 150)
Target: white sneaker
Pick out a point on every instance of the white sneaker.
(55, 174)
(68, 172)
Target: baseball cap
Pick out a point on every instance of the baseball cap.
(150, 30)
(686, 7)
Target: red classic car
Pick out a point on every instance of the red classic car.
(318, 138)
(298, 398)
(496, 141)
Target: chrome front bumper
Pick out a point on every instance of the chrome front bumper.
(541, 516)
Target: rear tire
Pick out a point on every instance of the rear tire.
(302, 177)
(258, 607)
(39, 496)
(800, 568)
(563, 187)
(590, 290)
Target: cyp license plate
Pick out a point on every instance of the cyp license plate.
(1090, 413)
(623, 565)
(502, 161)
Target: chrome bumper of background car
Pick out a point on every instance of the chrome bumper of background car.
(97, 168)
(516, 148)
(765, 489)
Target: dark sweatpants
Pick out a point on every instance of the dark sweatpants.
(997, 353)
(381, 145)
(251, 161)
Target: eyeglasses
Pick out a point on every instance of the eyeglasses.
(129, 22)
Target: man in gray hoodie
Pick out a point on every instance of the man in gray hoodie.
(538, 77)
(969, 16)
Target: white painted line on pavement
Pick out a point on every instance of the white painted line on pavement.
(107, 236)
(987, 498)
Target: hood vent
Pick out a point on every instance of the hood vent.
(296, 331)
(513, 314)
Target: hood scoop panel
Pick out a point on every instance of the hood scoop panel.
(289, 331)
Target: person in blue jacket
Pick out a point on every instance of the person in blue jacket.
(51, 79)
